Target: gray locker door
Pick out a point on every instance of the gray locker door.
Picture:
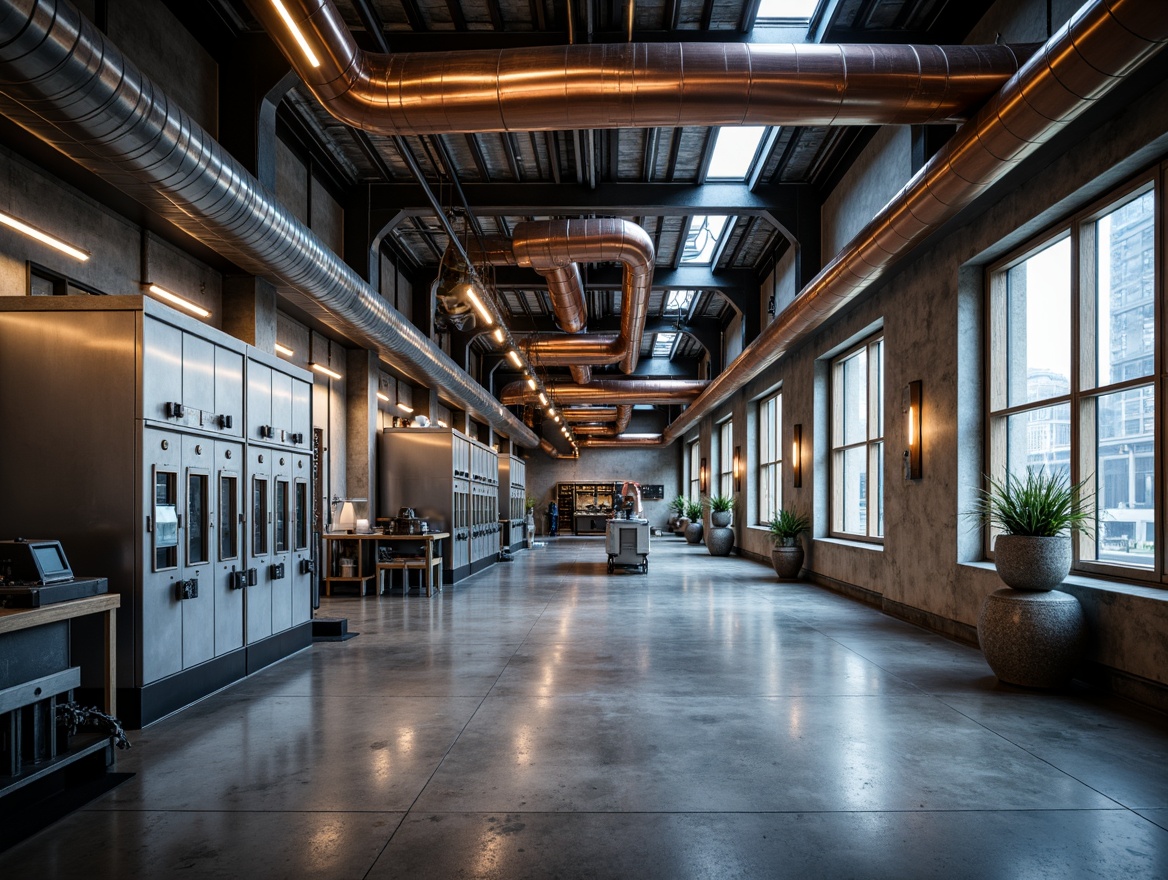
(301, 538)
(229, 390)
(198, 374)
(160, 621)
(229, 546)
(198, 550)
(279, 569)
(259, 400)
(282, 405)
(302, 409)
(162, 368)
(258, 538)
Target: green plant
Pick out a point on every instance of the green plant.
(1040, 504)
(677, 505)
(788, 524)
(693, 510)
(720, 503)
(529, 504)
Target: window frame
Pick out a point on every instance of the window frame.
(770, 442)
(726, 457)
(694, 485)
(1085, 387)
(873, 444)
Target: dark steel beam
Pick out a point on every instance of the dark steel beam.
(456, 15)
(414, 17)
(749, 15)
(552, 140)
(373, 25)
(707, 14)
(497, 22)
(476, 153)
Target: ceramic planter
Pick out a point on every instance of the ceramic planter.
(1025, 562)
(719, 519)
(720, 541)
(693, 532)
(787, 560)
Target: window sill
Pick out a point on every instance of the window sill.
(856, 545)
(1101, 585)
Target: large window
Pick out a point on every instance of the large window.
(726, 458)
(1072, 360)
(695, 465)
(770, 457)
(857, 441)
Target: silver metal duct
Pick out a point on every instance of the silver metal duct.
(81, 95)
(1102, 43)
(632, 85)
(662, 392)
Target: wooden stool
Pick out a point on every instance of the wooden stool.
(405, 566)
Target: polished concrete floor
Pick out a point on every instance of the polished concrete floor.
(545, 719)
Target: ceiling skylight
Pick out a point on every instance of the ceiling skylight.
(786, 10)
(702, 239)
(679, 300)
(663, 344)
(734, 151)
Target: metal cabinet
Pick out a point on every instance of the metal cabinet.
(151, 480)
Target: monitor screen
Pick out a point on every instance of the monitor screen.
(51, 561)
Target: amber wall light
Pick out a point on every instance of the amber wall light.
(911, 405)
(704, 478)
(797, 456)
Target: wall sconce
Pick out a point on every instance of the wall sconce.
(911, 406)
(737, 468)
(703, 478)
(797, 457)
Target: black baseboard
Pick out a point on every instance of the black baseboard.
(138, 707)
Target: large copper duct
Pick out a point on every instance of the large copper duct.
(585, 414)
(554, 249)
(632, 85)
(67, 84)
(1078, 65)
(621, 418)
(625, 440)
(660, 392)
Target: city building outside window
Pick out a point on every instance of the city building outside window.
(726, 458)
(857, 441)
(1079, 396)
(695, 465)
(770, 457)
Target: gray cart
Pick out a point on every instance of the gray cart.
(627, 543)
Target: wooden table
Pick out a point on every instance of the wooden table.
(368, 568)
(427, 563)
(13, 619)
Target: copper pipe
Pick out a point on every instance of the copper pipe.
(581, 373)
(625, 440)
(588, 413)
(662, 392)
(584, 348)
(632, 85)
(1077, 66)
(552, 451)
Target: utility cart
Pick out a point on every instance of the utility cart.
(627, 543)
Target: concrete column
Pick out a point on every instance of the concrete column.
(249, 310)
(362, 375)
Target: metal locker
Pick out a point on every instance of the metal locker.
(258, 596)
(301, 573)
(259, 401)
(302, 411)
(192, 588)
(230, 572)
(278, 570)
(162, 368)
(198, 377)
(159, 629)
(228, 392)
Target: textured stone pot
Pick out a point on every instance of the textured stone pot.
(787, 560)
(1029, 563)
(680, 525)
(1034, 639)
(719, 519)
(693, 532)
(720, 540)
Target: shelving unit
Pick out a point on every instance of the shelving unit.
(360, 548)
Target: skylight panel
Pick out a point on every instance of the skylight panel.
(786, 10)
(663, 344)
(679, 300)
(702, 239)
(735, 149)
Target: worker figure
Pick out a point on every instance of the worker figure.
(553, 513)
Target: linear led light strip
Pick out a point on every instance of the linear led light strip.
(295, 30)
(179, 301)
(43, 237)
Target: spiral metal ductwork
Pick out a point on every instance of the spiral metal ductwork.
(632, 85)
(660, 392)
(1101, 44)
(76, 91)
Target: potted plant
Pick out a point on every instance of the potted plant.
(1035, 514)
(721, 507)
(787, 554)
(694, 528)
(677, 511)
